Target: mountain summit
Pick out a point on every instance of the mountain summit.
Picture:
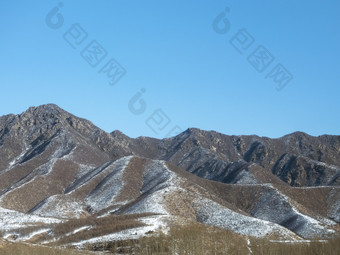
(56, 167)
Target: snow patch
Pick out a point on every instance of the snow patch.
(59, 206)
(212, 213)
(158, 182)
(109, 188)
(248, 246)
(18, 158)
(275, 207)
(31, 235)
(11, 220)
(154, 224)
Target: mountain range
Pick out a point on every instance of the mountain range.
(63, 180)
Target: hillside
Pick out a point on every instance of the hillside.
(64, 181)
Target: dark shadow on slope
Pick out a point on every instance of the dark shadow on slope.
(39, 149)
(88, 176)
(105, 180)
(232, 177)
(294, 223)
(37, 206)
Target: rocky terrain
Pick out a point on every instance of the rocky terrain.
(64, 181)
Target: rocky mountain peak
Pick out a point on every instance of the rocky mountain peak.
(49, 114)
(45, 112)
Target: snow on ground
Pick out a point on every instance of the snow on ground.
(298, 241)
(18, 158)
(11, 220)
(109, 187)
(157, 175)
(79, 229)
(154, 223)
(158, 182)
(275, 207)
(248, 246)
(43, 169)
(212, 213)
(333, 167)
(31, 235)
(152, 203)
(320, 224)
(87, 177)
(59, 206)
(246, 177)
(315, 226)
(83, 169)
(55, 239)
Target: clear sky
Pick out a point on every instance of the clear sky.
(238, 67)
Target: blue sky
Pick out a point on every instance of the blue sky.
(192, 76)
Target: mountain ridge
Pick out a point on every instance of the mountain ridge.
(289, 186)
(54, 107)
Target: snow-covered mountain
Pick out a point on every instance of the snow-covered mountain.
(64, 181)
